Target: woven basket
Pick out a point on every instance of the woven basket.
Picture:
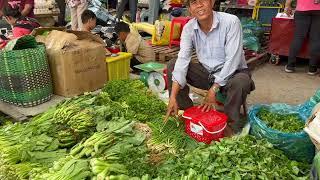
(25, 77)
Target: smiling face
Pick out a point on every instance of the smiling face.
(201, 9)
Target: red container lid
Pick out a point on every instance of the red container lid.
(211, 118)
(192, 112)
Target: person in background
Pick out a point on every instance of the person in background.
(307, 20)
(3, 3)
(132, 6)
(25, 6)
(89, 20)
(135, 44)
(112, 4)
(76, 9)
(62, 8)
(20, 25)
(217, 40)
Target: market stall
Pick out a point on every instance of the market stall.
(84, 117)
(113, 135)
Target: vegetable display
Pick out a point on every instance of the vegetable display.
(288, 123)
(235, 158)
(119, 134)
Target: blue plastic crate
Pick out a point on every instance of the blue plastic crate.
(264, 14)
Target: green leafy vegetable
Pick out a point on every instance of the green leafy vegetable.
(289, 123)
(235, 158)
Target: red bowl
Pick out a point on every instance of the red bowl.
(114, 50)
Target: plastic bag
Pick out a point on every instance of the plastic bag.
(253, 25)
(315, 171)
(296, 146)
(102, 13)
(145, 27)
(306, 108)
(251, 43)
(252, 32)
(161, 33)
(316, 108)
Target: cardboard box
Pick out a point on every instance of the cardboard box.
(41, 30)
(77, 62)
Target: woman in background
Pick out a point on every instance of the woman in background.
(307, 21)
(25, 7)
(132, 6)
(3, 3)
(20, 25)
(76, 9)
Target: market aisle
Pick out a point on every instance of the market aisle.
(274, 85)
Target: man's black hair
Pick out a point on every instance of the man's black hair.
(87, 15)
(12, 12)
(121, 27)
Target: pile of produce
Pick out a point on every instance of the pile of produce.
(144, 105)
(289, 123)
(119, 134)
(234, 158)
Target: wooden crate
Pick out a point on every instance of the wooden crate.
(164, 53)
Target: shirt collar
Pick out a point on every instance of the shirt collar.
(215, 22)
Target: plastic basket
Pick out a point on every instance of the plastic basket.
(118, 67)
(25, 77)
(204, 127)
(264, 14)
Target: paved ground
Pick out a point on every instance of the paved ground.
(274, 85)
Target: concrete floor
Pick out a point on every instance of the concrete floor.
(273, 85)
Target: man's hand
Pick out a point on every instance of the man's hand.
(173, 104)
(209, 101)
(172, 109)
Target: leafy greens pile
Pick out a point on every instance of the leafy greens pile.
(289, 123)
(234, 158)
(96, 137)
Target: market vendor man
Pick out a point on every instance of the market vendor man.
(135, 44)
(217, 39)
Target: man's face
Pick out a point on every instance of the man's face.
(201, 9)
